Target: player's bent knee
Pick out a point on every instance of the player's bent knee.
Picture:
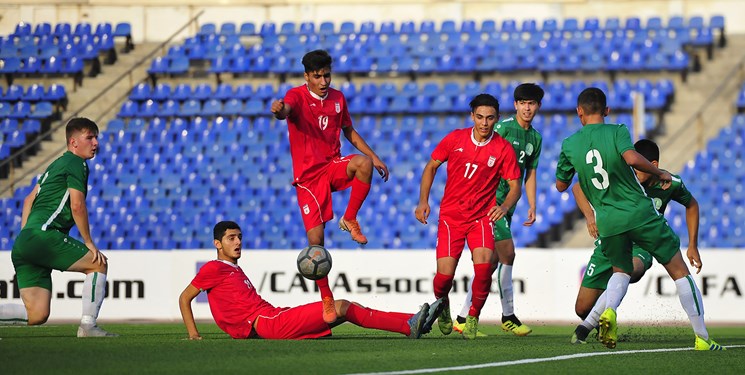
(341, 307)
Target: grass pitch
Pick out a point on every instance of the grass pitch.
(161, 349)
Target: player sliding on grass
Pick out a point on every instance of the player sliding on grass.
(477, 160)
(55, 204)
(590, 298)
(527, 142)
(316, 115)
(241, 312)
(601, 154)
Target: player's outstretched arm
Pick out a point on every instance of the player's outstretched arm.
(586, 208)
(184, 304)
(27, 203)
(359, 143)
(692, 218)
(530, 191)
(641, 163)
(280, 109)
(428, 177)
(498, 212)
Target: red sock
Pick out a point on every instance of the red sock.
(442, 285)
(481, 284)
(386, 321)
(323, 287)
(356, 198)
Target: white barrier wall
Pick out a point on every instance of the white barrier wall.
(146, 284)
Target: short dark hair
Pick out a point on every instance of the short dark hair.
(314, 61)
(484, 100)
(222, 227)
(528, 91)
(592, 101)
(648, 149)
(78, 124)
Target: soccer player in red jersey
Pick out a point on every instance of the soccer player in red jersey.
(241, 312)
(316, 115)
(477, 159)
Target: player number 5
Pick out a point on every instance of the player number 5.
(593, 157)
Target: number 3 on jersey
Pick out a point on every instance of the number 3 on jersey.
(593, 157)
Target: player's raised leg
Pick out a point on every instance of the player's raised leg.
(359, 170)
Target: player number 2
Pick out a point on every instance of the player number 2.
(593, 157)
(470, 170)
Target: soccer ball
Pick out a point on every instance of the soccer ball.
(314, 262)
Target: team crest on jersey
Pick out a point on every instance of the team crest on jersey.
(306, 209)
(657, 203)
(337, 107)
(491, 161)
(529, 149)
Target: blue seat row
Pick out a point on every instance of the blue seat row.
(33, 93)
(467, 26)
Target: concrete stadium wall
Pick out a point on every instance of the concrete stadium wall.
(155, 20)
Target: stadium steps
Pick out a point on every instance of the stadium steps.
(689, 96)
(99, 111)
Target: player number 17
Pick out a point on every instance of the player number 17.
(470, 170)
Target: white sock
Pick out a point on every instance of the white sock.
(690, 298)
(594, 317)
(618, 284)
(13, 314)
(467, 303)
(94, 288)
(504, 276)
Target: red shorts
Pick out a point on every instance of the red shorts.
(452, 236)
(314, 195)
(295, 323)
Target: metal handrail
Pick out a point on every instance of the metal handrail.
(41, 137)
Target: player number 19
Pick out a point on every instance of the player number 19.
(594, 155)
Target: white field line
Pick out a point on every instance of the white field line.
(528, 360)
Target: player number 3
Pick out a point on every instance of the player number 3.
(598, 169)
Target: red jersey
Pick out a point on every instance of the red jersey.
(234, 302)
(315, 125)
(474, 170)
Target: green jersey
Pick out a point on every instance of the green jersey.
(51, 208)
(527, 144)
(676, 192)
(595, 154)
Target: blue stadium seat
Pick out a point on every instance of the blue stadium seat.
(42, 110)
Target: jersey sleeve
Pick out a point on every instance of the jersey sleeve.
(442, 150)
(623, 139)
(681, 194)
(564, 168)
(293, 99)
(536, 155)
(510, 169)
(346, 119)
(77, 176)
(207, 277)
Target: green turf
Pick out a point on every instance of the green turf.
(161, 349)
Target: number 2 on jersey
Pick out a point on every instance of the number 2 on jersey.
(593, 157)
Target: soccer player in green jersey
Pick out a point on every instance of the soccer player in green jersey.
(600, 154)
(590, 298)
(526, 141)
(55, 204)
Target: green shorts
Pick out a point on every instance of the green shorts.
(655, 236)
(37, 252)
(502, 229)
(599, 269)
